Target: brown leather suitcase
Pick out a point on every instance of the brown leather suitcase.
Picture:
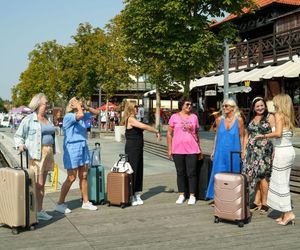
(232, 197)
(18, 198)
(118, 189)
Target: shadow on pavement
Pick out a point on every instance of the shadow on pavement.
(153, 191)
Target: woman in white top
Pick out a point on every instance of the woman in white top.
(279, 197)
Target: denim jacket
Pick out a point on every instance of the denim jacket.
(29, 134)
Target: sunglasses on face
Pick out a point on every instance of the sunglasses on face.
(188, 104)
(226, 106)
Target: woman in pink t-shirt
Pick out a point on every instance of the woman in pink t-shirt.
(184, 147)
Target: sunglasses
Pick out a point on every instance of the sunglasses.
(226, 106)
(188, 104)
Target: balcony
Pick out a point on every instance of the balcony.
(263, 51)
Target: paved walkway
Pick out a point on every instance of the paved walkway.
(158, 224)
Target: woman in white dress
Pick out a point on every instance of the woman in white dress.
(279, 197)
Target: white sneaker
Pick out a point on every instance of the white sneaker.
(89, 206)
(134, 202)
(42, 215)
(192, 200)
(62, 208)
(138, 199)
(180, 199)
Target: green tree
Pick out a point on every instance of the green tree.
(178, 33)
(42, 74)
(2, 107)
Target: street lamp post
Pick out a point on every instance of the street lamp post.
(226, 69)
(100, 101)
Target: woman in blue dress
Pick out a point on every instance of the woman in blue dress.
(76, 155)
(229, 137)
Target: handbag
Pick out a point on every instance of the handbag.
(122, 165)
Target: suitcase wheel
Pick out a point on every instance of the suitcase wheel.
(241, 224)
(102, 202)
(32, 227)
(123, 206)
(108, 203)
(15, 230)
(217, 219)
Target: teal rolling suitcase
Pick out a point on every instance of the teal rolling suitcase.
(96, 184)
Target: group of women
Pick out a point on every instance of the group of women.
(267, 164)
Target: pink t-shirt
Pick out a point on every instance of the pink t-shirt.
(184, 134)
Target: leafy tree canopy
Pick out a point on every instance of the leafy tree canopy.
(177, 32)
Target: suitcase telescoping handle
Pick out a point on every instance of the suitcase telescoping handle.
(21, 158)
(123, 156)
(231, 159)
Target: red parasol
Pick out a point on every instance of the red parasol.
(110, 106)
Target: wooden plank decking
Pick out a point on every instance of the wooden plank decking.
(158, 224)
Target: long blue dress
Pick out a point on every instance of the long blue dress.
(227, 141)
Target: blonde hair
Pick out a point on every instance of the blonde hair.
(36, 101)
(232, 103)
(69, 108)
(129, 110)
(284, 106)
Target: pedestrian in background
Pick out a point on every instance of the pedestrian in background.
(11, 124)
(36, 133)
(257, 157)
(141, 112)
(76, 155)
(134, 148)
(184, 147)
(229, 137)
(279, 197)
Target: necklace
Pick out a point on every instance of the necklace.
(229, 118)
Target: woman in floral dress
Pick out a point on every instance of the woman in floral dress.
(257, 160)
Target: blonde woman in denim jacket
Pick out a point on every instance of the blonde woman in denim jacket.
(36, 133)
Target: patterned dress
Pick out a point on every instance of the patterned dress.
(257, 164)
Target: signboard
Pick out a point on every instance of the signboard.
(247, 83)
(212, 92)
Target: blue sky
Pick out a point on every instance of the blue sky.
(24, 23)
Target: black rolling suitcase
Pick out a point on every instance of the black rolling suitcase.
(203, 175)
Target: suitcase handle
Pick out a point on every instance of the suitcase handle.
(123, 156)
(231, 159)
(97, 144)
(21, 159)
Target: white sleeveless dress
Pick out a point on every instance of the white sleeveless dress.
(279, 197)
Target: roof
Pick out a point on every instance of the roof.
(260, 4)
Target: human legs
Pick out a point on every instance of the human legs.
(40, 190)
(72, 173)
(191, 168)
(82, 174)
(135, 158)
(180, 166)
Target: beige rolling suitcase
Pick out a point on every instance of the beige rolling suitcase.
(232, 197)
(18, 198)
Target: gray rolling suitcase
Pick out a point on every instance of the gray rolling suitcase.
(18, 198)
(232, 196)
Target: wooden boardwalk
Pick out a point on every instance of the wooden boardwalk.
(158, 224)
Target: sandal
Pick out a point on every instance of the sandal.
(254, 207)
(264, 209)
